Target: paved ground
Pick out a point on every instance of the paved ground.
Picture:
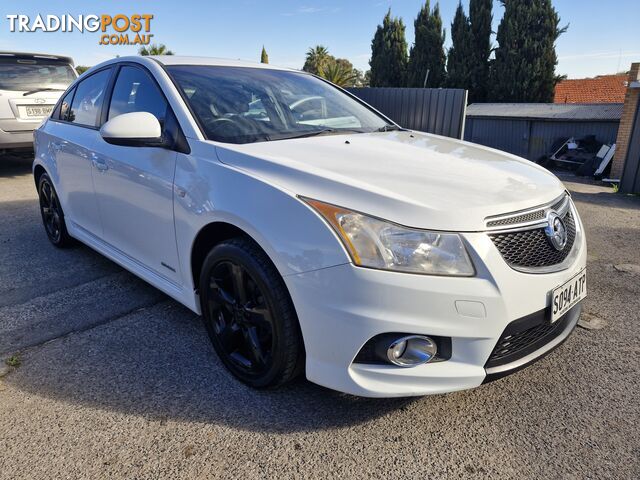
(116, 380)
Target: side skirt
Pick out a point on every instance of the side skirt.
(162, 283)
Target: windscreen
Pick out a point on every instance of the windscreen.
(25, 75)
(245, 105)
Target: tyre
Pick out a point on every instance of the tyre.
(52, 214)
(249, 315)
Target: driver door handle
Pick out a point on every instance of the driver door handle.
(99, 164)
(102, 166)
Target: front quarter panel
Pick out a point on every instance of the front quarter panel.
(294, 237)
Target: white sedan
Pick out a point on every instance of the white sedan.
(312, 233)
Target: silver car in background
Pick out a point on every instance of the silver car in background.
(30, 86)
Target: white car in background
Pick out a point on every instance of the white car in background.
(30, 85)
(313, 236)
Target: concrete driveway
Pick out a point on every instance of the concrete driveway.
(115, 380)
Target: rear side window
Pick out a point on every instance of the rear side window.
(135, 91)
(87, 102)
(65, 105)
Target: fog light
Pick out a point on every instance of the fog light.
(397, 349)
(411, 350)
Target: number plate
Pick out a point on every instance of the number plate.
(39, 111)
(566, 296)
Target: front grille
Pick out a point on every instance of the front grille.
(559, 204)
(525, 335)
(531, 248)
(525, 217)
(532, 215)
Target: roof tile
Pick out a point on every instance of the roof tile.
(601, 89)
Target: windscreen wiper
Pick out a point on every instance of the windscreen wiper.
(324, 131)
(36, 90)
(391, 128)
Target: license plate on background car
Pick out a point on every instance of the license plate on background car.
(567, 295)
(39, 111)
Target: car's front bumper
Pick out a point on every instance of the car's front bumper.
(342, 307)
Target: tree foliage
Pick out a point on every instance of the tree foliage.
(154, 49)
(524, 67)
(337, 70)
(480, 19)
(264, 58)
(317, 59)
(427, 53)
(340, 74)
(458, 64)
(81, 69)
(389, 54)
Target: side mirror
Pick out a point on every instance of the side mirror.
(135, 129)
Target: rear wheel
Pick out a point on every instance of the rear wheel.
(52, 214)
(249, 315)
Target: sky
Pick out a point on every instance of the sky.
(601, 38)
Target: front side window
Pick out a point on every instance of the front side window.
(87, 102)
(135, 91)
(34, 74)
(245, 105)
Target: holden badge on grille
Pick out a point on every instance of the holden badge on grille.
(556, 231)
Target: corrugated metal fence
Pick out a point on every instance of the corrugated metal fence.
(434, 110)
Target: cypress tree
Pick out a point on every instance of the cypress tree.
(524, 67)
(389, 54)
(264, 58)
(458, 64)
(427, 53)
(480, 18)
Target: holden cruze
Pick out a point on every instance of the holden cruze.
(312, 233)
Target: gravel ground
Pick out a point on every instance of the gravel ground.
(115, 380)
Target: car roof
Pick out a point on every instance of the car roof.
(35, 56)
(222, 62)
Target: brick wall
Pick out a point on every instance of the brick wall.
(626, 122)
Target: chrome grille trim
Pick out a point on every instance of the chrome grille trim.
(534, 217)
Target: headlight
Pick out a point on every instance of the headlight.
(375, 243)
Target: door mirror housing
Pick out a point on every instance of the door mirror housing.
(135, 129)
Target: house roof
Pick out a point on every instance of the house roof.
(600, 89)
(548, 111)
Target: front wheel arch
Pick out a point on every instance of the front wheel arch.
(208, 237)
(38, 171)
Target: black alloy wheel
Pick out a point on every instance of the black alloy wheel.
(52, 214)
(249, 315)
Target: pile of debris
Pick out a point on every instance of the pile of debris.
(586, 156)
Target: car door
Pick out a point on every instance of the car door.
(134, 185)
(74, 135)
